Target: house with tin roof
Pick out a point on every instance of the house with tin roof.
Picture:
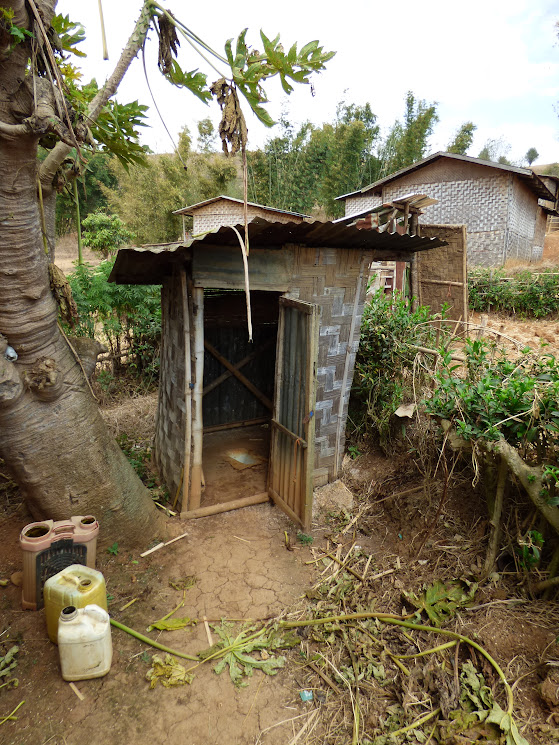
(218, 211)
(505, 208)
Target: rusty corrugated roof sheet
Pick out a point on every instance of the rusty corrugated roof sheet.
(149, 264)
(192, 207)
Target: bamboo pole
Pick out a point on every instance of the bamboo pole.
(235, 504)
(187, 393)
(197, 395)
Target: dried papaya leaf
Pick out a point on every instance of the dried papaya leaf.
(475, 695)
(168, 672)
(441, 600)
(184, 583)
(172, 624)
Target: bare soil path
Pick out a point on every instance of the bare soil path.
(242, 570)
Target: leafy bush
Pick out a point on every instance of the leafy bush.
(105, 233)
(385, 360)
(128, 316)
(517, 400)
(527, 294)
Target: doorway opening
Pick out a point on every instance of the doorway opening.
(238, 393)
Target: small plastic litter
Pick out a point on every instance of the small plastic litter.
(306, 695)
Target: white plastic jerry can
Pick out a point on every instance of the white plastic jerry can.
(84, 642)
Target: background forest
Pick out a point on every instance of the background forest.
(302, 168)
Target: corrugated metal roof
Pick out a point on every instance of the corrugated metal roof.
(149, 264)
(417, 201)
(525, 174)
(188, 210)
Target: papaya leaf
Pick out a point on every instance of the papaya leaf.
(168, 672)
(172, 624)
(194, 81)
(441, 600)
(507, 725)
(8, 661)
(238, 651)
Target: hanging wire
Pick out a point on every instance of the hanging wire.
(159, 112)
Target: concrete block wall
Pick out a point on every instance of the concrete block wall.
(213, 216)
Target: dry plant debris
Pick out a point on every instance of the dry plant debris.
(389, 678)
(167, 671)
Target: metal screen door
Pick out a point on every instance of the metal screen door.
(290, 481)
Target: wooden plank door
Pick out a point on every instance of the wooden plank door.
(290, 480)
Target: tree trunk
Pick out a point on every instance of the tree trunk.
(52, 436)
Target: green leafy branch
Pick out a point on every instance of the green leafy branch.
(236, 651)
(17, 34)
(249, 67)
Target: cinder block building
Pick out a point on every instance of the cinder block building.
(504, 208)
(218, 211)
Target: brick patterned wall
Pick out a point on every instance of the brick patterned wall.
(358, 203)
(169, 420)
(212, 216)
(329, 279)
(539, 235)
(523, 208)
(481, 197)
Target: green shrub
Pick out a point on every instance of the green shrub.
(125, 317)
(517, 400)
(105, 233)
(385, 361)
(527, 294)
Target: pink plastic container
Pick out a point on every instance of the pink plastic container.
(48, 547)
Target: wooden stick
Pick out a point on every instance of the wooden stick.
(224, 376)
(151, 550)
(185, 477)
(208, 632)
(78, 693)
(442, 282)
(235, 504)
(324, 677)
(240, 377)
(166, 543)
(197, 430)
(234, 425)
(343, 566)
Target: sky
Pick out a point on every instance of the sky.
(492, 62)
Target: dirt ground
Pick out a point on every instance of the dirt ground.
(243, 570)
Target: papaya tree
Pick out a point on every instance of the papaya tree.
(52, 437)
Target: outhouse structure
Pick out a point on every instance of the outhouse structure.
(253, 401)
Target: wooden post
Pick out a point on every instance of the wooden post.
(187, 393)
(414, 270)
(197, 396)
